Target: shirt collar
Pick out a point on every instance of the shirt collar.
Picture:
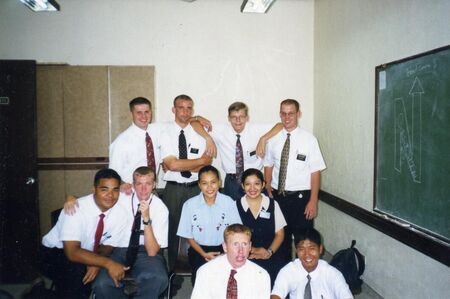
(291, 132)
(138, 130)
(264, 203)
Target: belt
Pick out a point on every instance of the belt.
(285, 193)
(188, 184)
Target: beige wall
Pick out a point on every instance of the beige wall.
(351, 38)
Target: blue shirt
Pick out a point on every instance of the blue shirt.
(206, 224)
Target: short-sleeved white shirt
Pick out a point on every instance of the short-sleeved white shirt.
(159, 214)
(326, 282)
(280, 221)
(128, 151)
(82, 225)
(253, 282)
(196, 146)
(305, 158)
(225, 138)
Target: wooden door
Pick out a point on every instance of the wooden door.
(19, 214)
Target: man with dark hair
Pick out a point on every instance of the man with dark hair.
(292, 168)
(183, 152)
(85, 237)
(309, 276)
(232, 275)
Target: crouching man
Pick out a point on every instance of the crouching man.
(232, 275)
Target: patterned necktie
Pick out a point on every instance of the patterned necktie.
(182, 152)
(98, 232)
(150, 153)
(133, 245)
(239, 159)
(283, 165)
(232, 286)
(307, 294)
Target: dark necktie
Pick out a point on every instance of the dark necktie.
(239, 159)
(283, 165)
(182, 152)
(232, 292)
(150, 153)
(98, 232)
(133, 245)
(307, 294)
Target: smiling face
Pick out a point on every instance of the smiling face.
(309, 253)
(143, 186)
(237, 247)
(253, 187)
(209, 184)
(106, 193)
(289, 116)
(142, 115)
(238, 119)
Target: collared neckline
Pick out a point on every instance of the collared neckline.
(264, 203)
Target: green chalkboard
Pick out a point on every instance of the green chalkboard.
(412, 139)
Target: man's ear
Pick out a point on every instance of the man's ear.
(173, 110)
(224, 246)
(321, 249)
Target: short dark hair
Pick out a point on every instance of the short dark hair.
(106, 173)
(291, 102)
(310, 234)
(139, 101)
(182, 97)
(208, 168)
(252, 171)
(236, 228)
(143, 171)
(236, 106)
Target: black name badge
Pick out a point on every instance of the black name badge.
(301, 157)
(194, 150)
(252, 153)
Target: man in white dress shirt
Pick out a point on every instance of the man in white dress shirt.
(83, 242)
(183, 152)
(232, 275)
(292, 168)
(227, 137)
(308, 276)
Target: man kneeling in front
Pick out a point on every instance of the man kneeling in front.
(231, 275)
(309, 277)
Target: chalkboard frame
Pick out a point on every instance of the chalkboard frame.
(421, 232)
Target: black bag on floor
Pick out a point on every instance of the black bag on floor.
(351, 263)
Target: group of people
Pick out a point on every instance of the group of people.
(240, 240)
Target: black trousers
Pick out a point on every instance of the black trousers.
(66, 275)
(196, 260)
(293, 204)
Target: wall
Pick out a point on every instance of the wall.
(206, 49)
(351, 38)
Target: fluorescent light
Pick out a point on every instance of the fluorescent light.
(256, 6)
(41, 5)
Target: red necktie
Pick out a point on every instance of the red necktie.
(232, 286)
(150, 153)
(98, 232)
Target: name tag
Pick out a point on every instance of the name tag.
(252, 153)
(264, 214)
(301, 157)
(194, 150)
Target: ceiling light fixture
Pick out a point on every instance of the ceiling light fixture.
(256, 6)
(41, 5)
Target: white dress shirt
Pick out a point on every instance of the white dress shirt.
(280, 222)
(304, 158)
(326, 282)
(225, 138)
(159, 214)
(82, 226)
(253, 282)
(129, 151)
(196, 146)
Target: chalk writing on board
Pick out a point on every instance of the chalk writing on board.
(408, 131)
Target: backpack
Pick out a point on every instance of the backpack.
(351, 263)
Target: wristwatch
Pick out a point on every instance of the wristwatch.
(149, 222)
(270, 250)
